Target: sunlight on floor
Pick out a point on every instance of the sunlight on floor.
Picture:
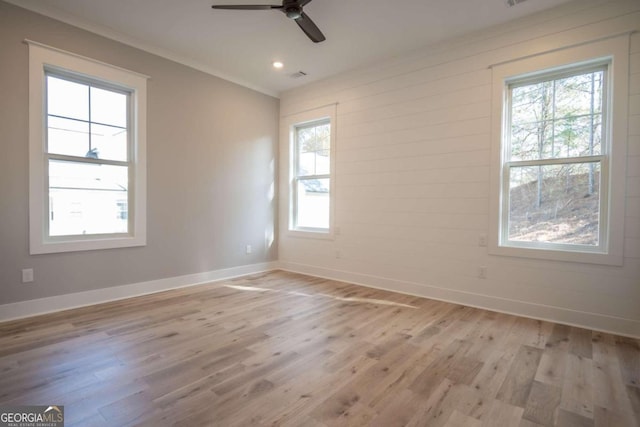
(335, 297)
(249, 288)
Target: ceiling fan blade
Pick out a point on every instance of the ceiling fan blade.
(310, 28)
(302, 3)
(247, 7)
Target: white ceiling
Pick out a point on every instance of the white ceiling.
(241, 45)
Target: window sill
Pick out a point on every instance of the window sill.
(49, 247)
(557, 255)
(310, 234)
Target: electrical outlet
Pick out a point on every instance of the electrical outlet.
(482, 240)
(248, 249)
(482, 272)
(27, 275)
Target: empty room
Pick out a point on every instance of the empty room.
(320, 213)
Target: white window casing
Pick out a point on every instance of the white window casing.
(44, 61)
(294, 123)
(612, 56)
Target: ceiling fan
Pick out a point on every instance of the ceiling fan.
(293, 10)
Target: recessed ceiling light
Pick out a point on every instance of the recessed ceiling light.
(277, 64)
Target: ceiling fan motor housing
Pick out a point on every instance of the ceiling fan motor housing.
(292, 9)
(293, 12)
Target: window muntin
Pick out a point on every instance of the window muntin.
(555, 158)
(87, 152)
(311, 186)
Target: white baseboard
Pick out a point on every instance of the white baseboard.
(35, 307)
(594, 321)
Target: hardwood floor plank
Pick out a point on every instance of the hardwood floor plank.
(571, 419)
(297, 399)
(402, 377)
(492, 375)
(436, 372)
(580, 343)
(457, 419)
(438, 407)
(603, 417)
(526, 423)
(610, 394)
(400, 410)
(85, 402)
(274, 362)
(577, 391)
(552, 366)
(517, 385)
(381, 373)
(93, 421)
(634, 396)
(559, 337)
(628, 352)
(542, 403)
(502, 414)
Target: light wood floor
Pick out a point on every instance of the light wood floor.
(285, 349)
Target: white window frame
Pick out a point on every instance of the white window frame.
(318, 115)
(614, 53)
(42, 60)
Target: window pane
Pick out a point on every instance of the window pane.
(307, 163)
(322, 162)
(555, 203)
(313, 145)
(68, 137)
(67, 99)
(574, 95)
(531, 141)
(578, 136)
(557, 118)
(109, 142)
(87, 198)
(108, 107)
(314, 163)
(532, 103)
(313, 203)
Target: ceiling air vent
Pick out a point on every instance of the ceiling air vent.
(514, 2)
(298, 75)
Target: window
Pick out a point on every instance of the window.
(311, 173)
(560, 142)
(554, 161)
(87, 152)
(87, 167)
(312, 179)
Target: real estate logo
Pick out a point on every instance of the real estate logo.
(32, 416)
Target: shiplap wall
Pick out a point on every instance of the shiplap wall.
(412, 177)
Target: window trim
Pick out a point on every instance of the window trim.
(318, 115)
(43, 60)
(613, 51)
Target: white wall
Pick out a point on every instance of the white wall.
(412, 177)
